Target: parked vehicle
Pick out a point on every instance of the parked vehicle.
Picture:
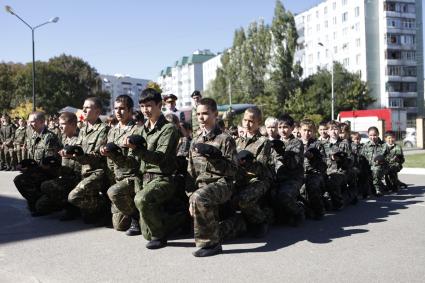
(410, 139)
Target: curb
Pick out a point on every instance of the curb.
(413, 171)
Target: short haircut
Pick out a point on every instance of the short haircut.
(127, 100)
(389, 134)
(373, 128)
(96, 101)
(345, 127)
(323, 124)
(270, 121)
(150, 94)
(286, 119)
(196, 93)
(69, 118)
(256, 112)
(334, 124)
(355, 134)
(308, 123)
(210, 103)
(38, 115)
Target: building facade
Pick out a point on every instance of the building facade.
(184, 77)
(123, 84)
(380, 39)
(209, 70)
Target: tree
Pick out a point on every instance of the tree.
(155, 86)
(7, 84)
(23, 110)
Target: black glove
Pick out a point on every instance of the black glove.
(51, 161)
(245, 157)
(278, 146)
(207, 150)
(73, 149)
(380, 159)
(312, 153)
(28, 163)
(138, 141)
(112, 148)
(338, 154)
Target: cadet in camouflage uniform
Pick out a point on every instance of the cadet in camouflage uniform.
(124, 169)
(89, 194)
(7, 135)
(289, 168)
(196, 97)
(375, 151)
(212, 166)
(314, 170)
(395, 159)
(40, 145)
(65, 177)
(158, 163)
(18, 143)
(250, 194)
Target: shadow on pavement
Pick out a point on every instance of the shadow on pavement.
(16, 223)
(335, 225)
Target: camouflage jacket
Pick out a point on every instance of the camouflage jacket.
(395, 154)
(208, 170)
(120, 164)
(291, 164)
(69, 162)
(316, 165)
(91, 138)
(342, 146)
(42, 145)
(370, 150)
(183, 147)
(160, 155)
(20, 136)
(195, 123)
(7, 134)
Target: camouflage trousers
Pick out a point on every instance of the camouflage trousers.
(378, 174)
(151, 198)
(17, 154)
(28, 184)
(205, 203)
(122, 196)
(232, 227)
(285, 199)
(336, 182)
(88, 194)
(391, 176)
(248, 199)
(55, 193)
(312, 192)
(6, 156)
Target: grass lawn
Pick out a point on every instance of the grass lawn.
(415, 161)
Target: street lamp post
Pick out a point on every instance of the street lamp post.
(332, 85)
(53, 20)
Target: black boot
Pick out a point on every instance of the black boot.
(156, 243)
(134, 229)
(208, 251)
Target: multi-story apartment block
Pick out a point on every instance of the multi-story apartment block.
(184, 77)
(209, 69)
(380, 39)
(123, 84)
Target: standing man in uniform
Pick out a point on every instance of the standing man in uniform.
(211, 171)
(7, 135)
(156, 148)
(18, 142)
(196, 97)
(124, 169)
(40, 145)
(89, 194)
(170, 106)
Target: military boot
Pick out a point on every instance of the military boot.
(208, 251)
(134, 229)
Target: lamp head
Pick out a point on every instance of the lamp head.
(321, 44)
(9, 9)
(54, 20)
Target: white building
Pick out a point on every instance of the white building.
(209, 69)
(123, 84)
(380, 39)
(184, 77)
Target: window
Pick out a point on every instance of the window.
(334, 5)
(357, 11)
(335, 34)
(358, 42)
(318, 56)
(408, 55)
(392, 55)
(345, 31)
(326, 24)
(334, 20)
(346, 62)
(358, 56)
(318, 27)
(344, 2)
(335, 49)
(393, 71)
(410, 102)
(310, 58)
(357, 27)
(407, 39)
(344, 17)
(317, 14)
(325, 10)
(395, 102)
(345, 46)
(308, 18)
(408, 23)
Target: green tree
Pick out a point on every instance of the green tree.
(7, 84)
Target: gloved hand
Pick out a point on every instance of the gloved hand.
(73, 149)
(28, 163)
(379, 159)
(278, 146)
(207, 150)
(245, 157)
(112, 148)
(312, 153)
(138, 141)
(51, 162)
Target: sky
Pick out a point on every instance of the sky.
(132, 37)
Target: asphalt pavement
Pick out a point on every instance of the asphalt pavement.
(378, 240)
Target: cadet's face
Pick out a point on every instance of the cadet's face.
(284, 130)
(323, 131)
(22, 123)
(196, 99)
(333, 132)
(356, 139)
(36, 125)
(150, 109)
(122, 112)
(90, 112)
(271, 130)
(296, 132)
(373, 136)
(206, 117)
(67, 129)
(306, 132)
(250, 123)
(170, 104)
(390, 140)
